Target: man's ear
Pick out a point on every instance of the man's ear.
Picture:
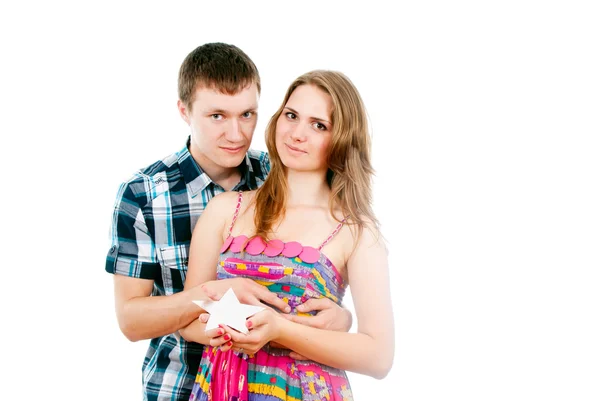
(183, 111)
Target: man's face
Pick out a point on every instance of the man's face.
(221, 127)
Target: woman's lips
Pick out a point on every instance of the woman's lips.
(294, 149)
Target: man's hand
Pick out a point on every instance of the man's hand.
(246, 290)
(330, 316)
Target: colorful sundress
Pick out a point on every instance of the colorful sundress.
(295, 273)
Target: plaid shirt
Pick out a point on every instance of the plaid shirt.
(154, 217)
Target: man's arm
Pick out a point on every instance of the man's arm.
(133, 261)
(142, 316)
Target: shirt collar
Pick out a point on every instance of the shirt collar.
(196, 180)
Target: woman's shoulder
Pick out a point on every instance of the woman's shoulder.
(365, 232)
(229, 200)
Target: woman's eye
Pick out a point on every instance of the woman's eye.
(290, 115)
(321, 127)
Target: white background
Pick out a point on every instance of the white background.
(485, 118)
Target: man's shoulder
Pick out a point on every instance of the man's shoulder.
(152, 180)
(260, 163)
(165, 164)
(255, 154)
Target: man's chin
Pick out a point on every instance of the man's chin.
(230, 161)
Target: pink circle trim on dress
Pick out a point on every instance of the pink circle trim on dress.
(238, 243)
(292, 249)
(274, 247)
(226, 244)
(255, 246)
(309, 254)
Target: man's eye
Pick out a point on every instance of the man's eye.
(247, 114)
(216, 116)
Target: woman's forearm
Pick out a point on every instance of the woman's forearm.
(356, 352)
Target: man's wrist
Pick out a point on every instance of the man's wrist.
(186, 304)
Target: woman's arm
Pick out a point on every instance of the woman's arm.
(370, 351)
(207, 240)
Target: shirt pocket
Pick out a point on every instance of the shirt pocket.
(173, 261)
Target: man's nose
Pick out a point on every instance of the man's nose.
(234, 131)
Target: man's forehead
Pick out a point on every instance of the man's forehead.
(209, 99)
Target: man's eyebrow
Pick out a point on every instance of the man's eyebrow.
(221, 111)
(215, 111)
(314, 118)
(253, 108)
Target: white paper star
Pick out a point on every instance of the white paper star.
(228, 311)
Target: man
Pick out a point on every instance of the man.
(156, 210)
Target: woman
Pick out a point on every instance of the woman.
(308, 232)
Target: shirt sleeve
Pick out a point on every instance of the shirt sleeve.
(132, 251)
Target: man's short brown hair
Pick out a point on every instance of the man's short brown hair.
(218, 66)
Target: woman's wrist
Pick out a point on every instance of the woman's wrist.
(283, 327)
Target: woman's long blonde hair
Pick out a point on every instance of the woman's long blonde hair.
(349, 171)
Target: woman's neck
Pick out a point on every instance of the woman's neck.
(307, 189)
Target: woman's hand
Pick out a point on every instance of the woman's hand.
(264, 327)
(218, 337)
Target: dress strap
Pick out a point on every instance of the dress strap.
(235, 214)
(337, 229)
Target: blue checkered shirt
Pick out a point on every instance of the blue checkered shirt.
(153, 220)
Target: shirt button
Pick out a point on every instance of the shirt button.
(113, 249)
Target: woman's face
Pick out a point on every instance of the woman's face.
(303, 131)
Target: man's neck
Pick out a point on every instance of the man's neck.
(227, 178)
